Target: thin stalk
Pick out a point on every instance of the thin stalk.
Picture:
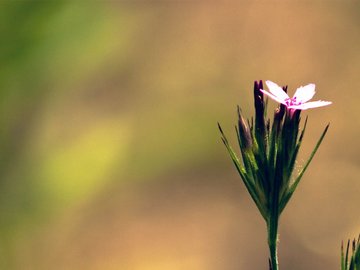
(272, 227)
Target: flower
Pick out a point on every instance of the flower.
(269, 153)
(300, 99)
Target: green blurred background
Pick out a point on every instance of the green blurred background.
(110, 155)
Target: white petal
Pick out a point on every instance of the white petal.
(309, 105)
(273, 97)
(305, 93)
(277, 91)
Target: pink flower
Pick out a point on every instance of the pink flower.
(300, 99)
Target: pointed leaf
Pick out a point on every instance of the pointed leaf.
(247, 179)
(291, 190)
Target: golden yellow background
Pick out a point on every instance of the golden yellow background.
(110, 156)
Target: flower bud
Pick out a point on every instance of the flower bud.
(244, 131)
(259, 109)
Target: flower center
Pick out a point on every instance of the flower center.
(292, 102)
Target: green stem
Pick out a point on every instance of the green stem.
(272, 227)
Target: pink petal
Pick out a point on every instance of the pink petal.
(305, 93)
(277, 91)
(273, 97)
(309, 105)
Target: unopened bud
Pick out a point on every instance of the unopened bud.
(244, 131)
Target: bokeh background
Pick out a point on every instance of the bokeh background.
(110, 157)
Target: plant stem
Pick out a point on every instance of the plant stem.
(272, 227)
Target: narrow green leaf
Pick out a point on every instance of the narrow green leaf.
(289, 170)
(247, 179)
(347, 255)
(342, 257)
(291, 190)
(357, 254)
(249, 183)
(303, 131)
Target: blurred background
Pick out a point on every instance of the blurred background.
(110, 157)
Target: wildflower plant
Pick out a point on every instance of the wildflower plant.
(351, 262)
(269, 150)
